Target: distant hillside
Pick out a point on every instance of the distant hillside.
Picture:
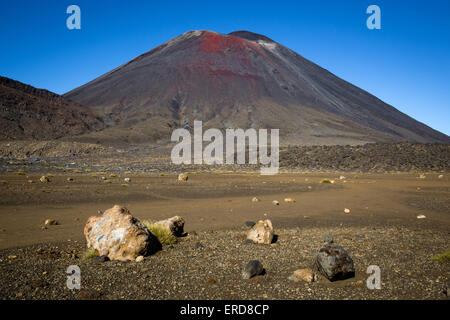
(30, 113)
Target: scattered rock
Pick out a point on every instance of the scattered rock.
(329, 239)
(50, 222)
(334, 262)
(275, 202)
(346, 210)
(119, 235)
(183, 177)
(174, 224)
(262, 232)
(306, 275)
(44, 179)
(253, 268)
(198, 245)
(249, 223)
(421, 216)
(100, 259)
(293, 278)
(289, 200)
(139, 259)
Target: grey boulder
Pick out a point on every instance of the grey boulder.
(334, 262)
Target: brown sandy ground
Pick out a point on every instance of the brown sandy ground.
(381, 229)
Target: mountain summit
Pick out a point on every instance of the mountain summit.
(240, 80)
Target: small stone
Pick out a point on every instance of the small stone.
(50, 222)
(421, 216)
(346, 210)
(440, 176)
(329, 239)
(249, 223)
(44, 179)
(341, 178)
(100, 259)
(262, 232)
(306, 275)
(175, 225)
(183, 177)
(140, 259)
(255, 199)
(422, 176)
(69, 179)
(127, 180)
(289, 200)
(198, 245)
(253, 268)
(275, 202)
(12, 257)
(293, 278)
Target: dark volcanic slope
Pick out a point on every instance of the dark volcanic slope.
(241, 80)
(30, 113)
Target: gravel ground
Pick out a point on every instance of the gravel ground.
(207, 265)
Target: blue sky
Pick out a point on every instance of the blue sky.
(406, 63)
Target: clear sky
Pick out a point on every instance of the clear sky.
(406, 63)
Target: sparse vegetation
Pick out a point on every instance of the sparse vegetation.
(325, 181)
(164, 236)
(89, 253)
(124, 185)
(20, 173)
(443, 257)
(113, 175)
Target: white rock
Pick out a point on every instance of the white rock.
(421, 216)
(347, 210)
(262, 232)
(139, 259)
(127, 179)
(255, 199)
(275, 202)
(440, 176)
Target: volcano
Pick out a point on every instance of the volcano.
(240, 80)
